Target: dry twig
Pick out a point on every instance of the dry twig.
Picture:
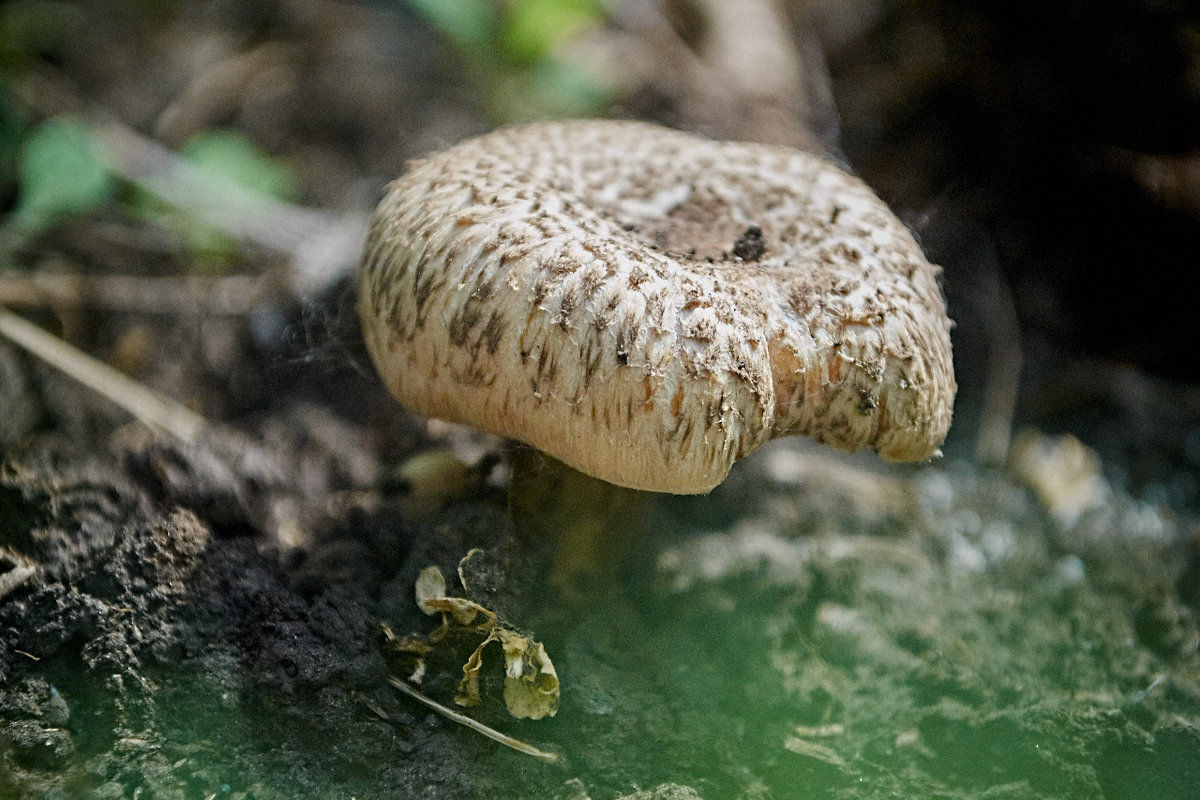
(475, 725)
(20, 573)
(150, 407)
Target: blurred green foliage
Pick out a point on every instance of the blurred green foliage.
(517, 50)
(228, 158)
(60, 171)
(533, 29)
(468, 23)
(29, 30)
(55, 168)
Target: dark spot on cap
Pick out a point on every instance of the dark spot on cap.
(866, 402)
(750, 246)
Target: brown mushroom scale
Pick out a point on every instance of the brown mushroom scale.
(649, 306)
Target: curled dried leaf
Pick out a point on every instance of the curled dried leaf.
(432, 599)
(530, 682)
(463, 610)
(531, 686)
(418, 647)
(468, 687)
(431, 584)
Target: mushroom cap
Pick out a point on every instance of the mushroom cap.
(648, 306)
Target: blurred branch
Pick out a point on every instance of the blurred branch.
(321, 247)
(737, 69)
(234, 295)
(1004, 361)
(1172, 180)
(152, 408)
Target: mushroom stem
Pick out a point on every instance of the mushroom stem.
(589, 524)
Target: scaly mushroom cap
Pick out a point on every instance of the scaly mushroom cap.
(648, 306)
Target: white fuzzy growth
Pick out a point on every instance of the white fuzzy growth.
(575, 286)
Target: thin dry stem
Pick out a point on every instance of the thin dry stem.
(475, 725)
(150, 407)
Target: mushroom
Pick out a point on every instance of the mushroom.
(648, 306)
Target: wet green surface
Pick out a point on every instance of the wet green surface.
(938, 635)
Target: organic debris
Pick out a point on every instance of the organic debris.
(1063, 472)
(531, 684)
(15, 570)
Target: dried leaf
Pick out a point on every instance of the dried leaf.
(531, 686)
(432, 599)
(463, 610)
(530, 682)
(417, 646)
(431, 584)
(462, 563)
(468, 687)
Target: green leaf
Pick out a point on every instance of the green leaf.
(533, 28)
(566, 89)
(230, 156)
(468, 23)
(227, 157)
(61, 173)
